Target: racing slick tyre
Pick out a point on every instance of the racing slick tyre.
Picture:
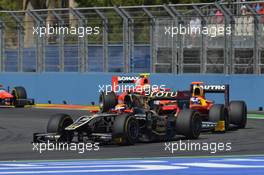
(189, 123)
(219, 113)
(19, 93)
(238, 113)
(107, 101)
(57, 124)
(125, 130)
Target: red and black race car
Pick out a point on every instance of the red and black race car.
(143, 113)
(17, 97)
(230, 113)
(128, 117)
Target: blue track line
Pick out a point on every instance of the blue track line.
(169, 166)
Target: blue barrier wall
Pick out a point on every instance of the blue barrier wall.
(140, 61)
(77, 88)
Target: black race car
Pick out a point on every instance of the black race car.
(126, 124)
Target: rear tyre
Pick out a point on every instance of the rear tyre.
(219, 113)
(189, 124)
(107, 101)
(238, 113)
(57, 124)
(125, 130)
(19, 93)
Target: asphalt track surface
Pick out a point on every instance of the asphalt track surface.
(18, 125)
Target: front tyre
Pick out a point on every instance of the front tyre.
(125, 130)
(107, 100)
(18, 94)
(238, 113)
(189, 124)
(219, 112)
(57, 124)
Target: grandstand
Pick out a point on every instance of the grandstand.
(133, 39)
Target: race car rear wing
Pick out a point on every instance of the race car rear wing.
(124, 79)
(224, 88)
(116, 80)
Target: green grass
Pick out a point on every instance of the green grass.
(256, 116)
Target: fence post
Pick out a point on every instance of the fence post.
(125, 39)
(20, 31)
(83, 49)
(229, 50)
(130, 40)
(179, 43)
(203, 57)
(1, 46)
(40, 43)
(174, 43)
(153, 51)
(61, 42)
(105, 39)
(256, 62)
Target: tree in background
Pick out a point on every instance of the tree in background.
(91, 3)
(51, 4)
(42, 4)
